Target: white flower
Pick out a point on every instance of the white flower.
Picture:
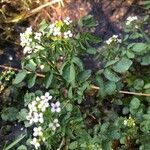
(51, 27)
(54, 124)
(38, 36)
(32, 106)
(25, 37)
(131, 19)
(41, 67)
(29, 31)
(35, 142)
(29, 116)
(34, 117)
(38, 99)
(67, 21)
(38, 117)
(42, 106)
(56, 31)
(68, 34)
(27, 50)
(55, 107)
(46, 97)
(125, 122)
(37, 131)
(114, 38)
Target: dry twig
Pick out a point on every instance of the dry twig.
(34, 11)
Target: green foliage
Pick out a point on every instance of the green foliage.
(94, 113)
(9, 114)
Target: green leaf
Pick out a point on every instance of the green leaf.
(84, 75)
(22, 147)
(20, 77)
(147, 86)
(69, 107)
(100, 83)
(107, 145)
(138, 84)
(22, 114)
(130, 54)
(9, 114)
(146, 60)
(125, 110)
(139, 47)
(43, 25)
(91, 50)
(73, 145)
(31, 80)
(78, 62)
(69, 73)
(111, 76)
(48, 79)
(110, 88)
(123, 65)
(135, 103)
(111, 62)
(31, 65)
(72, 73)
(70, 95)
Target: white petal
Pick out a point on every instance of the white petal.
(35, 134)
(55, 121)
(52, 104)
(50, 125)
(47, 94)
(42, 97)
(39, 128)
(57, 104)
(37, 99)
(58, 109)
(41, 120)
(53, 128)
(57, 124)
(53, 109)
(35, 119)
(40, 133)
(47, 104)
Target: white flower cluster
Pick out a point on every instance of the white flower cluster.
(38, 136)
(68, 34)
(27, 41)
(37, 108)
(131, 19)
(56, 31)
(54, 124)
(67, 21)
(114, 38)
(35, 115)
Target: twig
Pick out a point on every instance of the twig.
(124, 92)
(16, 69)
(61, 144)
(134, 93)
(34, 11)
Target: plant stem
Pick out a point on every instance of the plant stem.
(61, 144)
